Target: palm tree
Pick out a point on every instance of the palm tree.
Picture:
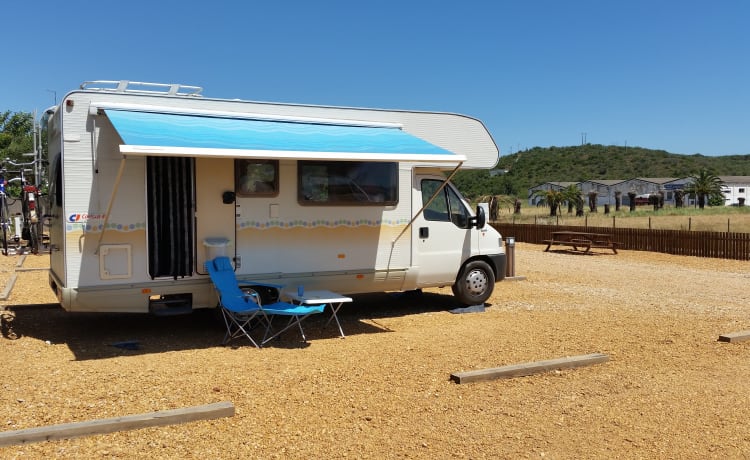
(553, 199)
(678, 198)
(592, 200)
(704, 184)
(573, 197)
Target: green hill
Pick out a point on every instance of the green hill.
(535, 166)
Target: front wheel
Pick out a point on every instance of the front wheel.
(475, 283)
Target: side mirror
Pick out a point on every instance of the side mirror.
(481, 219)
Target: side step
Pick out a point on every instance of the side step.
(171, 304)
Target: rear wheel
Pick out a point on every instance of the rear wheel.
(4, 223)
(475, 283)
(5, 237)
(34, 239)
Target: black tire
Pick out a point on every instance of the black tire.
(34, 239)
(4, 222)
(5, 236)
(475, 283)
(267, 294)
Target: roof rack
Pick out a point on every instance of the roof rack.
(124, 86)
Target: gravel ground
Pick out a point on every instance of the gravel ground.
(669, 390)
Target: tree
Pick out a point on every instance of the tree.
(16, 135)
(592, 200)
(553, 198)
(679, 196)
(573, 197)
(704, 184)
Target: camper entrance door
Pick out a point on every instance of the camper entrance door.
(214, 219)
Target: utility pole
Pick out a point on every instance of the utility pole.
(583, 138)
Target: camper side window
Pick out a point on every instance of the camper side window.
(55, 188)
(352, 183)
(447, 205)
(256, 177)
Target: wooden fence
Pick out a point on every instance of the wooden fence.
(721, 245)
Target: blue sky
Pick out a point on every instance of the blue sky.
(671, 75)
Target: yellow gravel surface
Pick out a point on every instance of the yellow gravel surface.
(669, 389)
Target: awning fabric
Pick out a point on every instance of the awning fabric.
(167, 134)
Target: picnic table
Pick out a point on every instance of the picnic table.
(581, 241)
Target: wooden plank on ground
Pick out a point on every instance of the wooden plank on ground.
(110, 425)
(520, 370)
(8, 287)
(733, 337)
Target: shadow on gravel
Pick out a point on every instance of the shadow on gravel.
(579, 253)
(107, 335)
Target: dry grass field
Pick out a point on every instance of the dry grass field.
(669, 389)
(722, 219)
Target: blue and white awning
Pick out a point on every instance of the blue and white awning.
(169, 134)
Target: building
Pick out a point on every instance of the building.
(535, 199)
(735, 190)
(605, 189)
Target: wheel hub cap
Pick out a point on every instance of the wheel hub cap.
(476, 282)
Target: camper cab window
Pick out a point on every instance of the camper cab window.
(447, 205)
(352, 183)
(256, 177)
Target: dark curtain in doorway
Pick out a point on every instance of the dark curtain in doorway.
(170, 192)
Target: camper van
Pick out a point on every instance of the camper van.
(148, 181)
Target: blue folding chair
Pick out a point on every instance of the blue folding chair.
(240, 308)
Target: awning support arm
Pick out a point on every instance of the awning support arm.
(432, 198)
(111, 202)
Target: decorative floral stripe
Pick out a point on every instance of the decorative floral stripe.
(321, 223)
(250, 224)
(87, 227)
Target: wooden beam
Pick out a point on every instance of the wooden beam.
(20, 261)
(110, 425)
(735, 337)
(8, 287)
(520, 370)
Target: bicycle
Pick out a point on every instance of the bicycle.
(29, 194)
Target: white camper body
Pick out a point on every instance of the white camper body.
(147, 182)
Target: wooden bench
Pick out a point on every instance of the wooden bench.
(574, 244)
(606, 245)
